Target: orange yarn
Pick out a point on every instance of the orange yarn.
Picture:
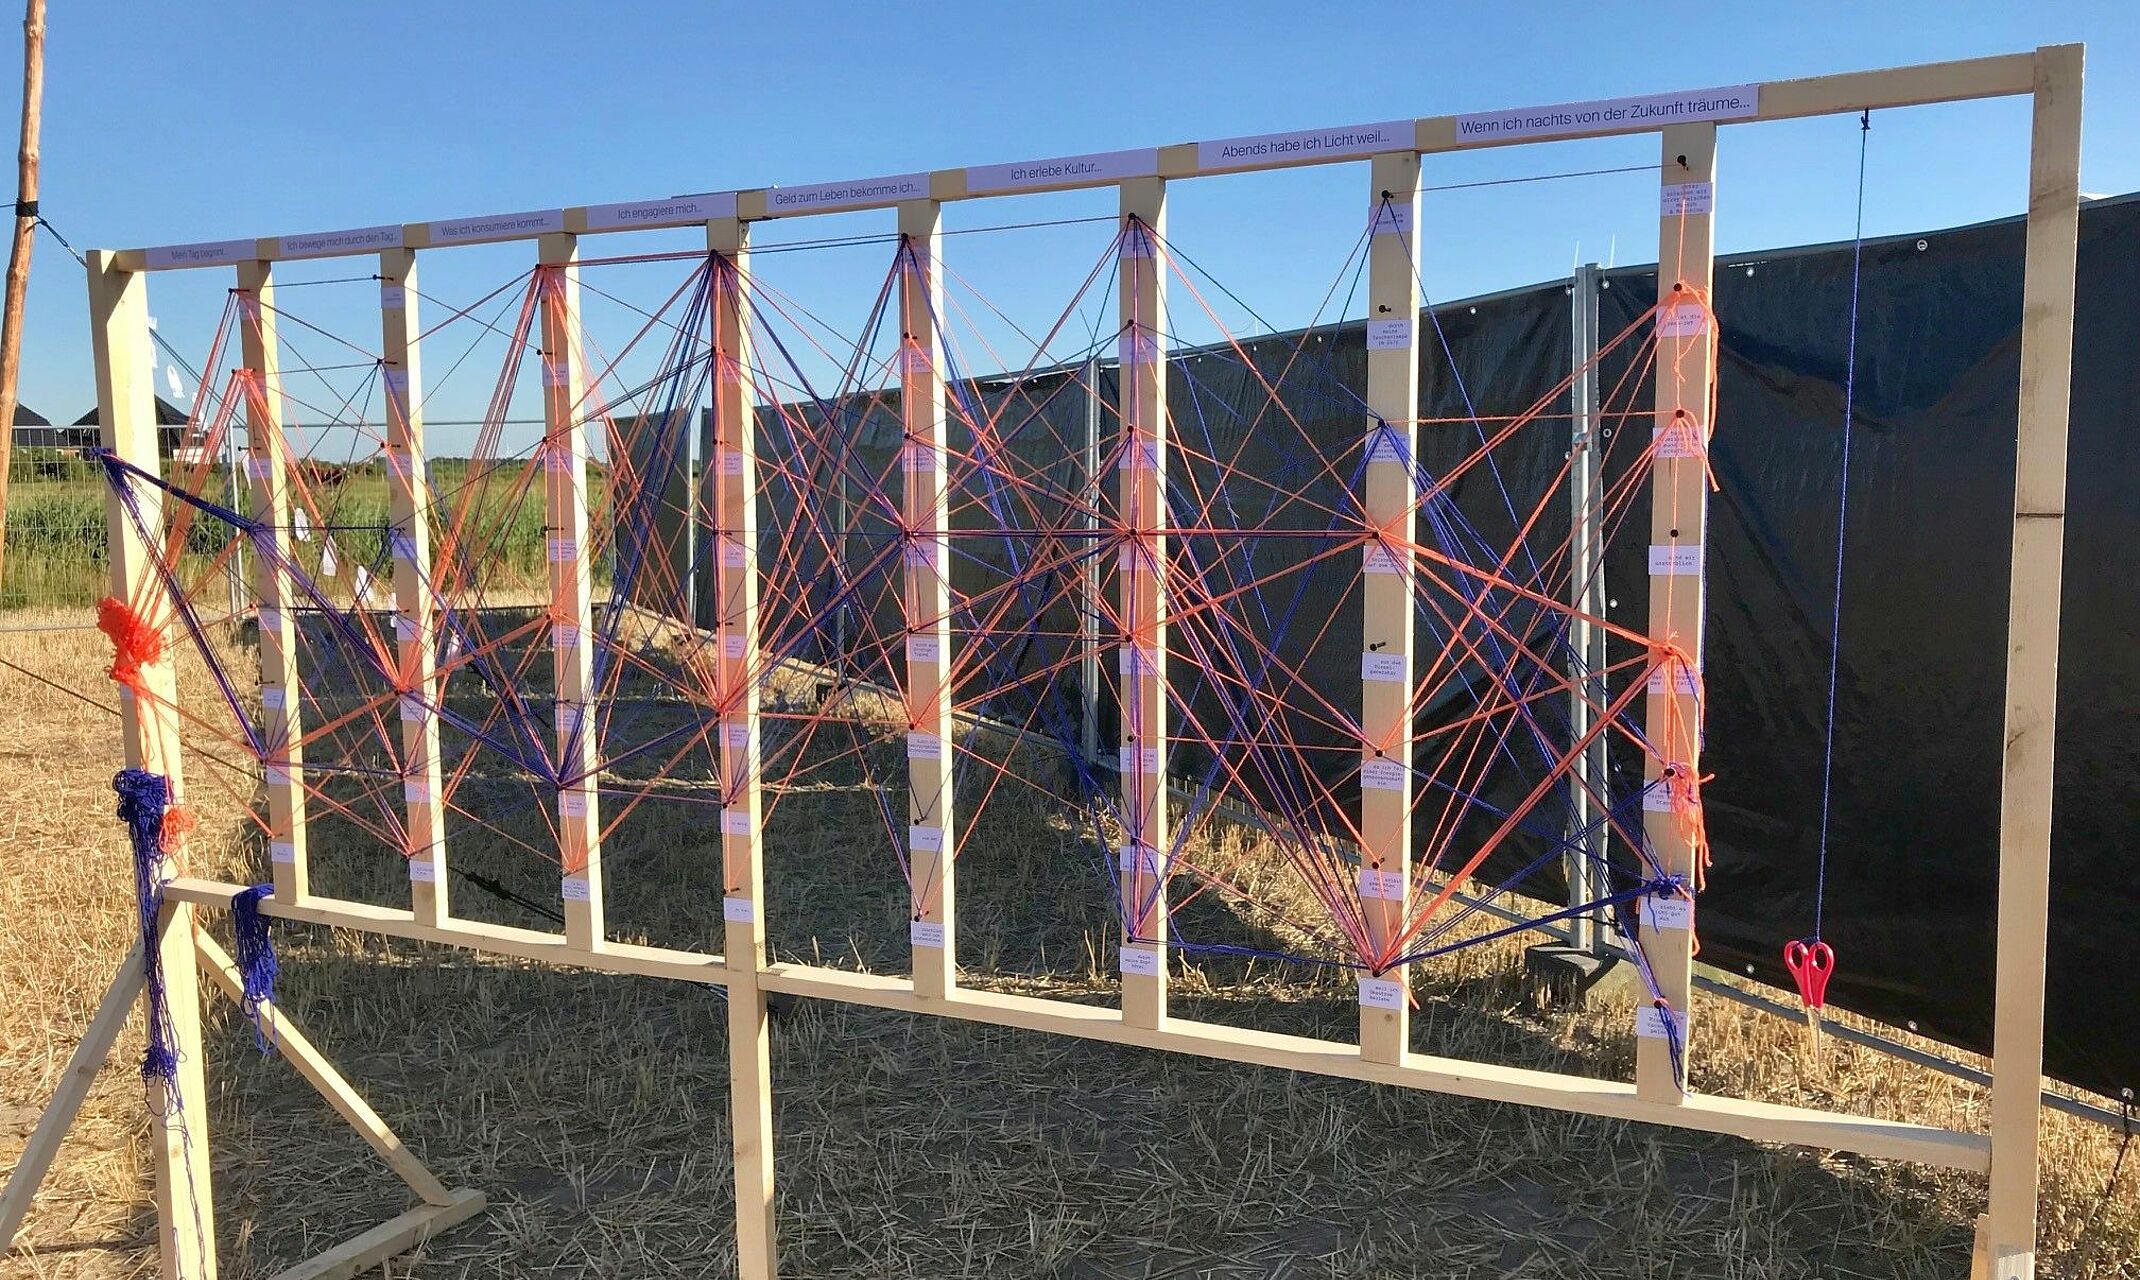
(134, 643)
(178, 823)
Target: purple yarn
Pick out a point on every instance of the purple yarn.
(255, 957)
(143, 797)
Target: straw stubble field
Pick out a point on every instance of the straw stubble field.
(592, 1109)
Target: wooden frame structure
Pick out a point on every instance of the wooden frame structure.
(1689, 127)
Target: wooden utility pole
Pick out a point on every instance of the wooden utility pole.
(18, 258)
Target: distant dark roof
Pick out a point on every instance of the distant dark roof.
(25, 416)
(167, 415)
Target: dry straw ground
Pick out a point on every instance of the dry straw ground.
(592, 1109)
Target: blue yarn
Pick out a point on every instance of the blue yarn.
(143, 797)
(255, 956)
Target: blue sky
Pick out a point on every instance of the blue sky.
(209, 121)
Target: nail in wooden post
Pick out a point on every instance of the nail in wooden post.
(564, 464)
(148, 729)
(415, 618)
(931, 837)
(732, 488)
(2032, 661)
(1390, 505)
(267, 469)
(1142, 577)
(1679, 514)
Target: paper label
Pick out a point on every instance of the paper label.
(924, 649)
(422, 871)
(567, 717)
(563, 550)
(1654, 1023)
(1675, 559)
(575, 889)
(1667, 913)
(924, 553)
(556, 373)
(1657, 797)
(1094, 167)
(1138, 346)
(1383, 667)
(1384, 444)
(564, 635)
(1381, 559)
(924, 746)
(1679, 199)
(1682, 319)
(270, 618)
(1389, 335)
(917, 456)
(273, 697)
(1389, 218)
(676, 211)
(739, 911)
(735, 822)
(394, 297)
(1381, 993)
(1382, 886)
(1137, 760)
(1141, 454)
(732, 554)
(258, 468)
(736, 737)
(412, 708)
(733, 646)
(275, 775)
(1135, 242)
(914, 362)
(572, 804)
(1680, 440)
(1384, 774)
(327, 244)
(1306, 145)
(404, 628)
(1733, 103)
(206, 254)
(925, 839)
(731, 462)
(1140, 960)
(820, 196)
(1134, 660)
(1687, 680)
(497, 226)
(926, 933)
(1139, 861)
(397, 383)
(282, 852)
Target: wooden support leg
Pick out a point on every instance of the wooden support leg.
(83, 1064)
(185, 1204)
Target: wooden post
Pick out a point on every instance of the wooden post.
(926, 512)
(18, 257)
(415, 617)
(2032, 661)
(732, 484)
(564, 464)
(1587, 659)
(1390, 503)
(148, 728)
(1142, 579)
(267, 470)
(1679, 512)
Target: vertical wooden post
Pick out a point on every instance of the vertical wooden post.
(1679, 513)
(2032, 661)
(415, 617)
(564, 464)
(1142, 579)
(119, 340)
(732, 485)
(18, 257)
(267, 470)
(927, 515)
(1586, 595)
(1390, 502)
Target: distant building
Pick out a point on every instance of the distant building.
(170, 429)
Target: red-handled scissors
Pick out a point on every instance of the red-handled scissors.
(1812, 963)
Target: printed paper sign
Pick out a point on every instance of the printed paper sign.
(1383, 667)
(924, 649)
(1680, 440)
(1383, 774)
(273, 697)
(416, 790)
(412, 709)
(739, 911)
(208, 254)
(1687, 682)
(1141, 454)
(736, 737)
(1305, 145)
(1389, 218)
(497, 226)
(1734, 103)
(1675, 559)
(1654, 1023)
(1136, 661)
(1384, 444)
(1137, 760)
(924, 746)
(1657, 797)
(563, 550)
(1682, 320)
(564, 635)
(1382, 886)
(925, 839)
(926, 933)
(283, 852)
(735, 822)
(270, 619)
(572, 804)
(1389, 335)
(732, 646)
(1667, 913)
(422, 871)
(394, 297)
(677, 211)
(1381, 559)
(1679, 199)
(821, 196)
(1381, 993)
(1140, 960)
(1137, 347)
(731, 461)
(575, 889)
(1139, 860)
(276, 775)
(1098, 166)
(325, 244)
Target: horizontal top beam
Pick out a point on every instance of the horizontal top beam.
(2007, 75)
